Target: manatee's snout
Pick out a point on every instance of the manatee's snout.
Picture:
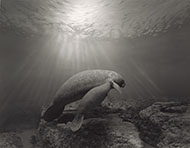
(117, 78)
(118, 85)
(120, 82)
(117, 81)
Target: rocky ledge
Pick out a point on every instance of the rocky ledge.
(165, 125)
(161, 125)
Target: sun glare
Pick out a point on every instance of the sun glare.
(75, 49)
(81, 14)
(82, 17)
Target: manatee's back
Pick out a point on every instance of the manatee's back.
(79, 84)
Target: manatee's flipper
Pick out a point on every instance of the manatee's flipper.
(52, 112)
(77, 122)
(116, 87)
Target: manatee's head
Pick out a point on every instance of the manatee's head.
(116, 78)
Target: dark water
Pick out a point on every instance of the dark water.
(32, 69)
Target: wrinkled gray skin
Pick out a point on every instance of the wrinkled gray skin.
(77, 86)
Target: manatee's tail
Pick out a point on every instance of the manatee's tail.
(77, 122)
(52, 112)
(66, 116)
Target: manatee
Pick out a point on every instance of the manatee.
(93, 98)
(77, 86)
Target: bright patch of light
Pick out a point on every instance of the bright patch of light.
(82, 17)
(81, 14)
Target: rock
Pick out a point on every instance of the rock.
(165, 125)
(106, 131)
(10, 140)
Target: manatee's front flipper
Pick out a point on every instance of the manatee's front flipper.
(52, 112)
(77, 122)
(116, 87)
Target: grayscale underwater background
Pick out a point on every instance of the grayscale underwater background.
(44, 42)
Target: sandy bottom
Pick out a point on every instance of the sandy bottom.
(26, 137)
